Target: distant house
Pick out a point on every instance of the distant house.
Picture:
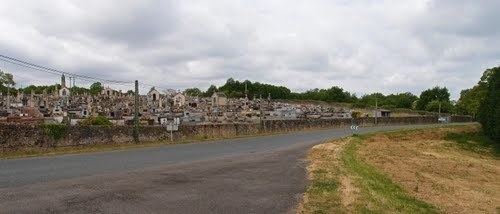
(382, 113)
(219, 99)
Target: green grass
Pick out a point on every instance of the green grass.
(323, 189)
(324, 196)
(379, 194)
(475, 141)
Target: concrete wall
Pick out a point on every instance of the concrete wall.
(14, 137)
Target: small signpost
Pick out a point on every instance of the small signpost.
(173, 126)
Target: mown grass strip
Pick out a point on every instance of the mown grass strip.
(379, 194)
(323, 190)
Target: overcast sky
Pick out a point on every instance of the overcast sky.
(362, 46)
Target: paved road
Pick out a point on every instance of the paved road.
(247, 175)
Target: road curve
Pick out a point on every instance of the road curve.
(247, 175)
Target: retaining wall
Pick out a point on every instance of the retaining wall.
(14, 137)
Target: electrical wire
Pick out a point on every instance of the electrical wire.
(45, 69)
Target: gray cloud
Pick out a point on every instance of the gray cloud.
(363, 46)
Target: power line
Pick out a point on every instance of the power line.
(55, 71)
(45, 69)
(22, 65)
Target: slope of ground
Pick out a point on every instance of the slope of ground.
(450, 169)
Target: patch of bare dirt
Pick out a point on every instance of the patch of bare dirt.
(455, 180)
(327, 157)
(349, 192)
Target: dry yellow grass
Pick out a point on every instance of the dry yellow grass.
(323, 171)
(437, 171)
(411, 171)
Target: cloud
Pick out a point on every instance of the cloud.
(363, 46)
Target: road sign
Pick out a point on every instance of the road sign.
(354, 127)
(172, 127)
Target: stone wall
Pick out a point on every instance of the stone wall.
(14, 137)
(461, 118)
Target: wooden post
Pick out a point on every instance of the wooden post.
(136, 113)
(376, 110)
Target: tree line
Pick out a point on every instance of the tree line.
(483, 102)
(429, 100)
(434, 99)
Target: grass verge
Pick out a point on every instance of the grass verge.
(378, 192)
(450, 169)
(475, 141)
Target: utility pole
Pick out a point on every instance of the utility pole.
(136, 113)
(246, 91)
(8, 97)
(376, 110)
(439, 111)
(262, 126)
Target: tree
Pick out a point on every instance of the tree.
(236, 89)
(402, 100)
(434, 106)
(6, 81)
(47, 88)
(369, 100)
(193, 92)
(489, 108)
(79, 90)
(470, 99)
(96, 88)
(337, 94)
(211, 90)
(429, 95)
(333, 94)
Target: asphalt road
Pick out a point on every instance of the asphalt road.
(247, 175)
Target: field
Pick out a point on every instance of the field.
(450, 169)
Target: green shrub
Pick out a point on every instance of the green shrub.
(355, 114)
(475, 141)
(55, 131)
